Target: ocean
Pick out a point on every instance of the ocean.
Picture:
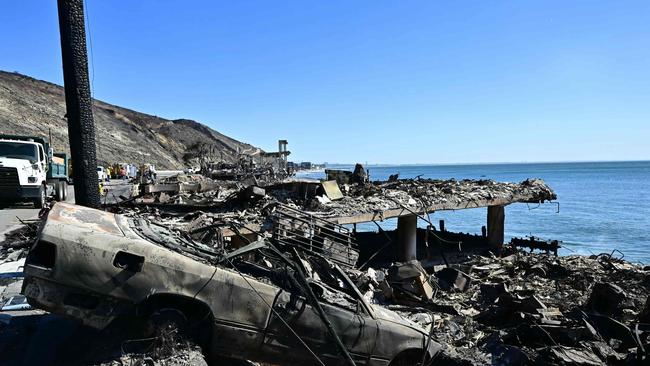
(603, 206)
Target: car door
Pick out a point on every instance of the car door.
(355, 327)
(295, 331)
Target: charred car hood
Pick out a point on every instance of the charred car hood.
(85, 218)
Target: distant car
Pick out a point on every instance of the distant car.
(101, 174)
(18, 302)
(96, 266)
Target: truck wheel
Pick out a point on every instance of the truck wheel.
(64, 185)
(41, 200)
(60, 194)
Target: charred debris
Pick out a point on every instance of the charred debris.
(482, 300)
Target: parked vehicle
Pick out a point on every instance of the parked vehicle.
(17, 302)
(31, 171)
(96, 266)
(102, 175)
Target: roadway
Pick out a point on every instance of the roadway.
(9, 214)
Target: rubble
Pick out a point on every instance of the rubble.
(13, 250)
(380, 200)
(164, 276)
(554, 317)
(506, 307)
(606, 298)
(451, 278)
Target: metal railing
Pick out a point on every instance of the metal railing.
(292, 227)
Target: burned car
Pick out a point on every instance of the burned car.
(256, 302)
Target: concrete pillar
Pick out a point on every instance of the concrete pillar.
(495, 226)
(407, 237)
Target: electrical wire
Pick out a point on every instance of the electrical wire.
(92, 56)
(429, 337)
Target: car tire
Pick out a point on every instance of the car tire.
(42, 199)
(164, 320)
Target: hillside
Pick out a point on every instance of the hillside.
(32, 107)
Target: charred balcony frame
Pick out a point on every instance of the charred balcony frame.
(314, 235)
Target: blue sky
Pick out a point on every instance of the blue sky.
(375, 81)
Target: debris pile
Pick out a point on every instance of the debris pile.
(196, 190)
(348, 194)
(430, 195)
(13, 250)
(167, 349)
(526, 308)
(15, 243)
(521, 308)
(189, 190)
(286, 240)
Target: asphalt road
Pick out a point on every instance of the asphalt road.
(24, 211)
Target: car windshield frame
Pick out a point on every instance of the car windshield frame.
(18, 150)
(170, 239)
(354, 292)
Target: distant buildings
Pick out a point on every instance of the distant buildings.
(304, 165)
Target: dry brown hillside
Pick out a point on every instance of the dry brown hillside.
(32, 107)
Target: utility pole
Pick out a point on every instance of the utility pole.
(81, 127)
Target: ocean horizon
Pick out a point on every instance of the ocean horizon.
(487, 163)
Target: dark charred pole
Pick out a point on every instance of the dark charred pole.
(81, 127)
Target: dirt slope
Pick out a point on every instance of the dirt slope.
(32, 107)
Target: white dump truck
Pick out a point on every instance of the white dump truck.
(31, 171)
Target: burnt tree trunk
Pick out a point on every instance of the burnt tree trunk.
(81, 127)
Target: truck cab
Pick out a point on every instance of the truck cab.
(30, 171)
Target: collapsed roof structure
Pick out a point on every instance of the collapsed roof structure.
(383, 200)
(344, 201)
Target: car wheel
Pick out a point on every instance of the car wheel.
(407, 358)
(42, 199)
(165, 321)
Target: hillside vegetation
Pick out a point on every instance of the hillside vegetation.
(33, 107)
